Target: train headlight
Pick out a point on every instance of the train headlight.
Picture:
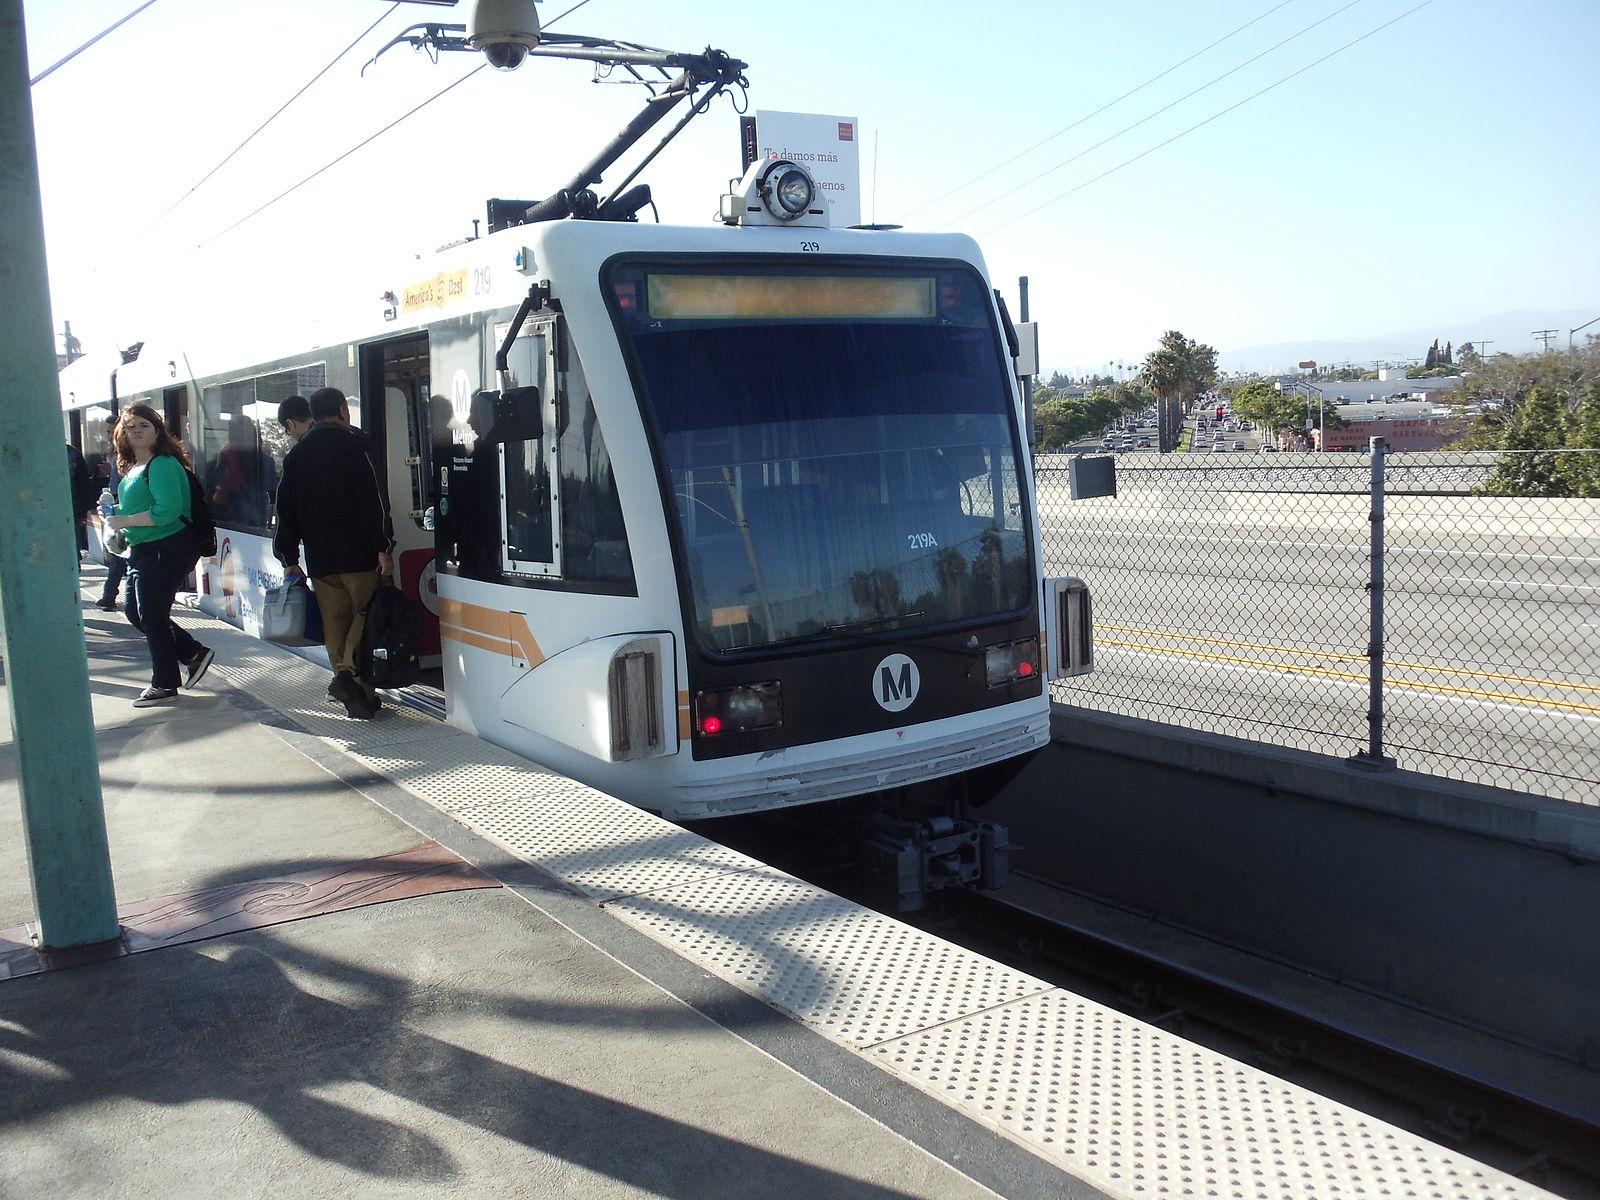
(775, 191)
(788, 191)
(741, 709)
(1012, 662)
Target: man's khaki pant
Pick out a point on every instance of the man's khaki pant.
(343, 600)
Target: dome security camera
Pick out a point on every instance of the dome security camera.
(505, 30)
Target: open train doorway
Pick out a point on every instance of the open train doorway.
(395, 378)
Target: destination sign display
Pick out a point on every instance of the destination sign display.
(779, 297)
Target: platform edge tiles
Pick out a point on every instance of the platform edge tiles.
(1115, 1102)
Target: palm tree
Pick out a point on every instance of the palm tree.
(1176, 368)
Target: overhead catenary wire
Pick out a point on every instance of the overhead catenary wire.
(1198, 125)
(373, 137)
(353, 149)
(303, 89)
(1090, 116)
(108, 29)
(1151, 116)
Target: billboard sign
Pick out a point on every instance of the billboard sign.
(828, 147)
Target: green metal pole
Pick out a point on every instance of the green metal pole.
(47, 677)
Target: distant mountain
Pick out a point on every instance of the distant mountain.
(1507, 332)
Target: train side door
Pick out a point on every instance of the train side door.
(398, 371)
(175, 410)
(499, 507)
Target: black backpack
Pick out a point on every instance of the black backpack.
(199, 520)
(391, 640)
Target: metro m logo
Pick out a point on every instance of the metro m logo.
(895, 683)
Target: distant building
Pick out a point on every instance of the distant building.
(1410, 424)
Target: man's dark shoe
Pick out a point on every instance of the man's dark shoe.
(109, 603)
(153, 696)
(347, 692)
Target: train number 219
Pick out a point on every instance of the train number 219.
(921, 541)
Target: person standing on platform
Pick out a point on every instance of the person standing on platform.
(330, 500)
(83, 496)
(294, 414)
(152, 510)
(116, 565)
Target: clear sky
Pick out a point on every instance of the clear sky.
(1443, 168)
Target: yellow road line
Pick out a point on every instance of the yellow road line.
(1361, 677)
(1531, 681)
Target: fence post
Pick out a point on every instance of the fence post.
(1373, 756)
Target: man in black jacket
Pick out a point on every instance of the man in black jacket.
(83, 495)
(329, 498)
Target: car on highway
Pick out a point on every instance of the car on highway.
(1266, 448)
(1238, 445)
(1219, 447)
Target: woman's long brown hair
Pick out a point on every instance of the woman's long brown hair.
(165, 442)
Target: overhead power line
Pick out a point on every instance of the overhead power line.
(345, 155)
(406, 116)
(1108, 104)
(304, 88)
(1151, 116)
(1198, 125)
(63, 62)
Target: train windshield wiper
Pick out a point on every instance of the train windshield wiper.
(865, 624)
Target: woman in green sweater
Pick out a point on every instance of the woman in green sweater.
(153, 510)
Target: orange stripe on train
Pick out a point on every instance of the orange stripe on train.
(489, 629)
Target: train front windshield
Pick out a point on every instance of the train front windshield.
(839, 446)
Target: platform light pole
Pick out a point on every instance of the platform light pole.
(41, 611)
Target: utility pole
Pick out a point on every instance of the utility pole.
(47, 679)
(1544, 336)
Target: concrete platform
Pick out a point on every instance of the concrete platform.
(386, 958)
(506, 1040)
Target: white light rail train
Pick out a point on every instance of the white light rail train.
(716, 520)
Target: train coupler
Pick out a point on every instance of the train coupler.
(910, 859)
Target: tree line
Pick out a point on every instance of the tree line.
(1178, 368)
(1545, 406)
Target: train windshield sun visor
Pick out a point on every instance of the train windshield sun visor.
(840, 446)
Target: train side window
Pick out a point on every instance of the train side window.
(594, 539)
(527, 447)
(238, 445)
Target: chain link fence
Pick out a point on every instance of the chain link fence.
(1236, 596)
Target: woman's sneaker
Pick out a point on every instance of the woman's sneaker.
(151, 697)
(198, 666)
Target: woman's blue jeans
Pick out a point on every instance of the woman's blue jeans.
(155, 572)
